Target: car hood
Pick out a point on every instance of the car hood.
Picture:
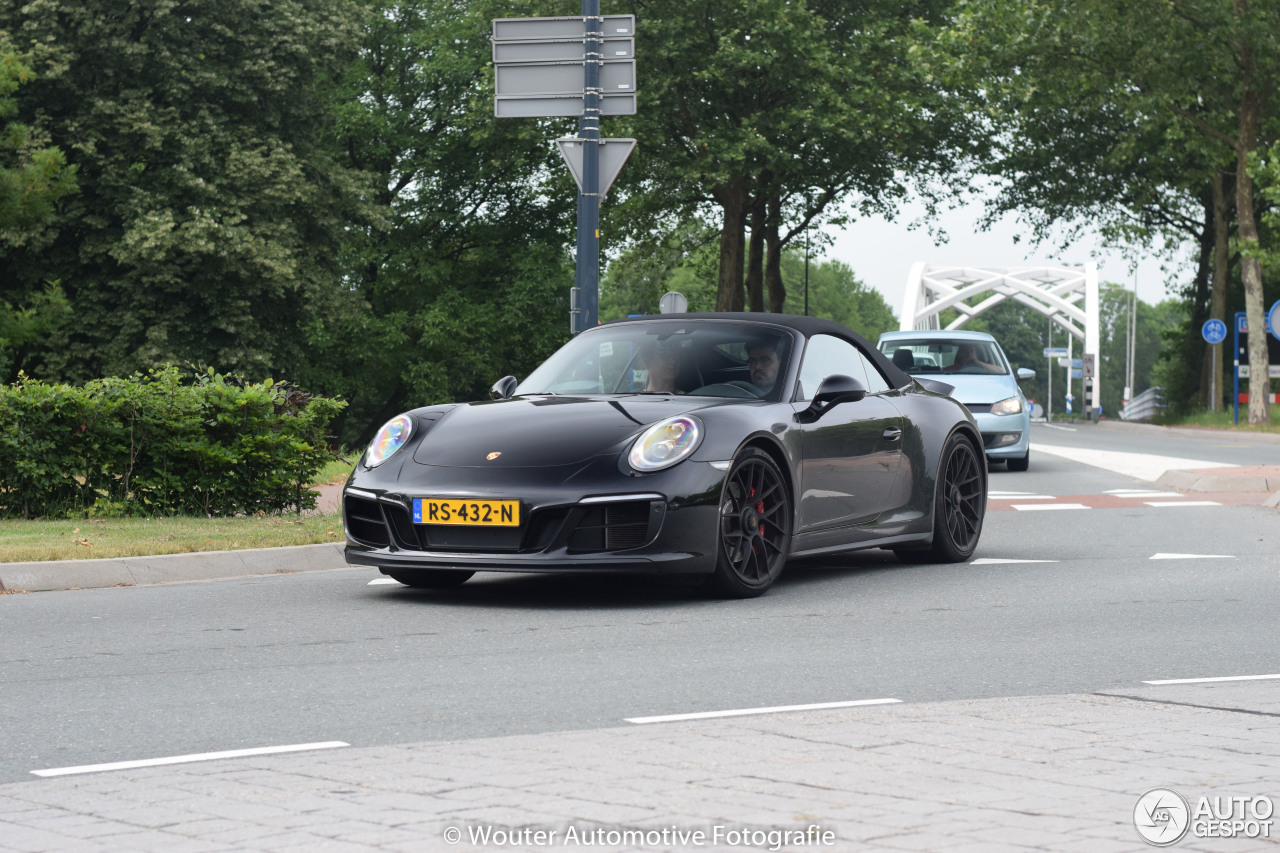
(978, 390)
(537, 431)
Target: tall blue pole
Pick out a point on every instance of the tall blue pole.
(588, 260)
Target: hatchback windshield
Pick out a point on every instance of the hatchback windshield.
(919, 357)
(697, 358)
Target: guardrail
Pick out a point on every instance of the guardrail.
(1144, 406)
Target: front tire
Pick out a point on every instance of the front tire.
(755, 527)
(430, 578)
(1020, 464)
(960, 503)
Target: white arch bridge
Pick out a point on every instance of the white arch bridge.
(1066, 294)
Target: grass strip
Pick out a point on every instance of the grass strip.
(84, 539)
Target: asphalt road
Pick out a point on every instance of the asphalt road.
(120, 674)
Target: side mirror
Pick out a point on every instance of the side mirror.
(1025, 373)
(503, 388)
(834, 390)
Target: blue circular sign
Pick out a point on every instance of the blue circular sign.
(1273, 317)
(1215, 331)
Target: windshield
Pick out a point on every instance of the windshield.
(921, 357)
(712, 359)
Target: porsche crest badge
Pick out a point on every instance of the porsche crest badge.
(494, 455)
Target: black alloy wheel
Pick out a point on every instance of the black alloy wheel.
(755, 527)
(961, 502)
(430, 578)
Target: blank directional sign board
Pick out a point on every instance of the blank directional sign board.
(574, 50)
(553, 106)
(540, 66)
(613, 153)
(525, 29)
(536, 79)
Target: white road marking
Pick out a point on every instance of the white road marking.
(1004, 496)
(743, 712)
(996, 561)
(1049, 506)
(1141, 466)
(1191, 557)
(1208, 680)
(1064, 429)
(1182, 503)
(187, 759)
(380, 581)
(1141, 493)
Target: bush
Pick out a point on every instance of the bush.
(160, 444)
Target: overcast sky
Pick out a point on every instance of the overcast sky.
(881, 253)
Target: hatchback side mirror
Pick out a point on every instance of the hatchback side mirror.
(503, 388)
(835, 389)
(1025, 373)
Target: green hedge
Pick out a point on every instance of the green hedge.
(160, 444)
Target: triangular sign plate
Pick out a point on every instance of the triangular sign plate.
(613, 154)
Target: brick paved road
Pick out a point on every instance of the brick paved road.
(1058, 773)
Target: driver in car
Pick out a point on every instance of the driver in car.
(763, 361)
(967, 356)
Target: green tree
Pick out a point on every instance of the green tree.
(1189, 74)
(836, 293)
(211, 207)
(462, 276)
(772, 114)
(34, 176)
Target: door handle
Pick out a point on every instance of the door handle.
(892, 434)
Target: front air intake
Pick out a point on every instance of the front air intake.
(365, 522)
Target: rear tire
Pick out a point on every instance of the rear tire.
(960, 503)
(755, 527)
(430, 578)
(1020, 464)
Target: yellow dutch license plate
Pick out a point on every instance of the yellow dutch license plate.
(479, 513)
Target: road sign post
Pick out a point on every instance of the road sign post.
(588, 256)
(584, 67)
(1087, 374)
(1214, 333)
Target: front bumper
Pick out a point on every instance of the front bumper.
(593, 519)
(1004, 436)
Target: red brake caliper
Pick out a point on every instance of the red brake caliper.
(759, 508)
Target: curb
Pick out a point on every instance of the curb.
(1259, 479)
(202, 565)
(1191, 432)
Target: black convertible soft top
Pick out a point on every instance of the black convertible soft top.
(807, 326)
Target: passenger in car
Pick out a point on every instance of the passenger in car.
(663, 363)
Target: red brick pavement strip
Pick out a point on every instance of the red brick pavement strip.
(1124, 502)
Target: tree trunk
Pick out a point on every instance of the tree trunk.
(773, 259)
(732, 197)
(755, 257)
(1200, 296)
(1221, 271)
(1251, 269)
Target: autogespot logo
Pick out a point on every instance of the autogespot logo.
(1161, 817)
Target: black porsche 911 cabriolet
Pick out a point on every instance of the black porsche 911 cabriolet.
(712, 444)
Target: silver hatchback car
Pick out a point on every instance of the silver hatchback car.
(975, 365)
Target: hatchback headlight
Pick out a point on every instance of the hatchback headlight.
(1011, 406)
(393, 436)
(665, 443)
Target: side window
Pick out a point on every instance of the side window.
(825, 356)
(875, 380)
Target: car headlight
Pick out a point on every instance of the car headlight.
(390, 438)
(665, 443)
(1011, 406)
